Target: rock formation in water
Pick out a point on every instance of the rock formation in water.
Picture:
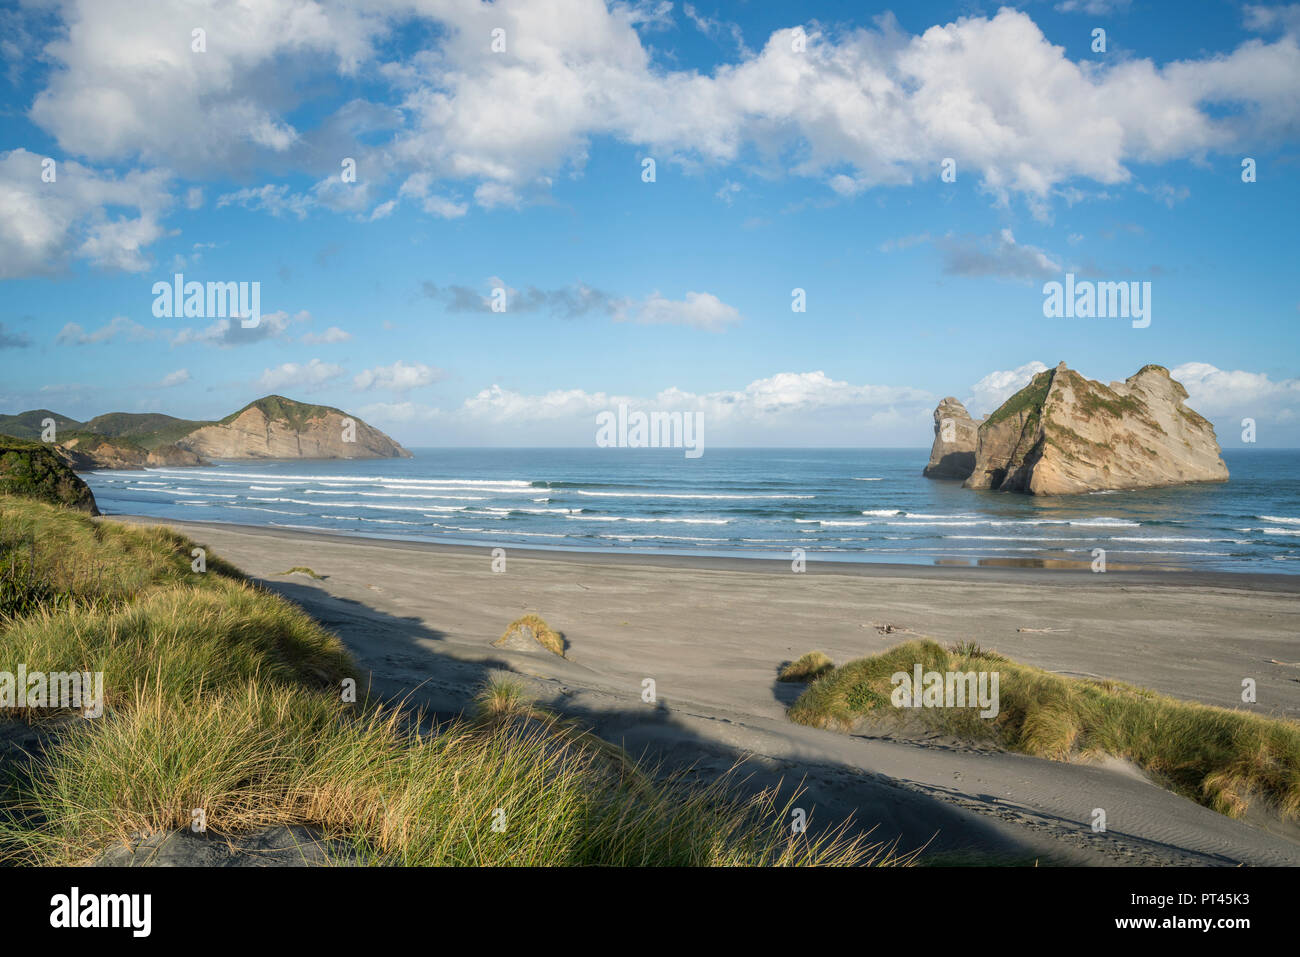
(1064, 434)
(280, 428)
(953, 454)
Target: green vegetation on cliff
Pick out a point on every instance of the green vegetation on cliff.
(34, 470)
(279, 409)
(149, 430)
(27, 425)
(1028, 400)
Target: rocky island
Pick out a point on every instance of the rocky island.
(273, 427)
(1063, 434)
(953, 454)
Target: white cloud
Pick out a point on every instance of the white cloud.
(401, 376)
(330, 336)
(306, 376)
(224, 332)
(996, 387)
(119, 327)
(125, 81)
(992, 93)
(275, 199)
(1235, 394)
(45, 226)
(784, 401)
(702, 310)
(858, 108)
(1001, 256)
(179, 377)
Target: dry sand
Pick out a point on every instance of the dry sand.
(712, 633)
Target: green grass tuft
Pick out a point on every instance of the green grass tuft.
(1222, 758)
(223, 696)
(807, 668)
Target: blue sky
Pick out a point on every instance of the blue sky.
(795, 147)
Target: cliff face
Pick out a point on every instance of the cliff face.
(86, 452)
(1064, 434)
(34, 470)
(271, 427)
(277, 428)
(953, 454)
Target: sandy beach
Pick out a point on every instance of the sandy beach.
(712, 633)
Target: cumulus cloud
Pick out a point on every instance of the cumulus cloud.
(996, 387)
(401, 376)
(851, 108)
(179, 377)
(85, 215)
(795, 408)
(701, 310)
(306, 376)
(779, 395)
(126, 81)
(1234, 394)
(226, 332)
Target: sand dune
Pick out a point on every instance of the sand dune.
(712, 633)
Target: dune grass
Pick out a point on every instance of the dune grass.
(1220, 757)
(222, 696)
(542, 633)
(806, 668)
(303, 570)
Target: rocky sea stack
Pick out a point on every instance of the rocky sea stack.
(953, 454)
(1065, 434)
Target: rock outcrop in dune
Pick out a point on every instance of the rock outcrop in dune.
(953, 454)
(1064, 434)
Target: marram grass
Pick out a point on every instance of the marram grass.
(1220, 757)
(807, 667)
(222, 696)
(542, 633)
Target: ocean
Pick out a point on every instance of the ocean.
(860, 505)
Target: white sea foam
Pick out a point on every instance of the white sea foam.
(691, 495)
(636, 518)
(1285, 520)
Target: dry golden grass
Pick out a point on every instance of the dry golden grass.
(544, 634)
(807, 668)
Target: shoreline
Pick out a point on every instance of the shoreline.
(421, 621)
(993, 570)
